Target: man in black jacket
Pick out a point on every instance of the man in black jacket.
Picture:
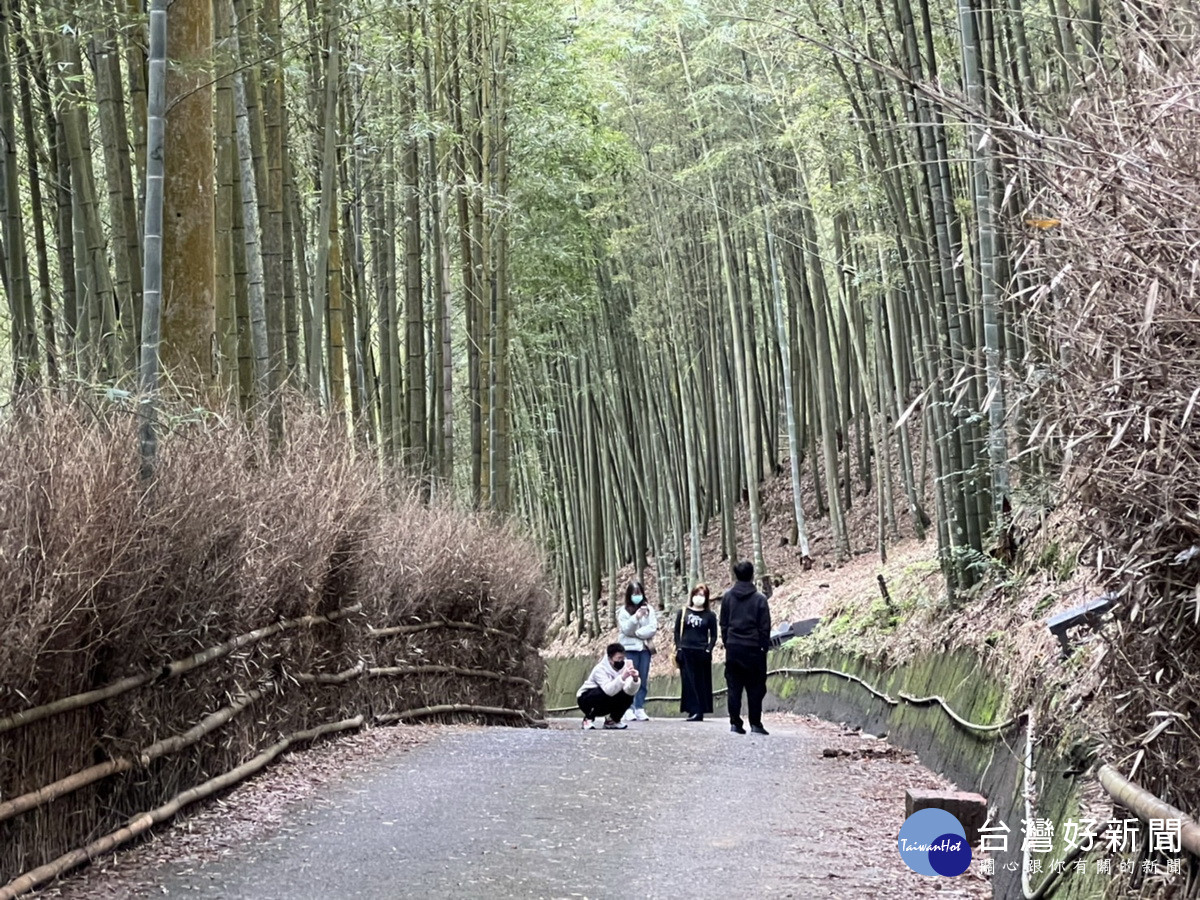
(746, 634)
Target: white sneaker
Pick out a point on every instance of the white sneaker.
(640, 715)
(589, 725)
(629, 716)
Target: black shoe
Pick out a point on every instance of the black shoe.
(737, 729)
(758, 729)
(696, 717)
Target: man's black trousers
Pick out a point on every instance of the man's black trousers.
(596, 704)
(746, 670)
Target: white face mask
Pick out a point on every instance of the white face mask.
(698, 601)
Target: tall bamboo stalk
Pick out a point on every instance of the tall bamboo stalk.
(316, 335)
(251, 229)
(156, 129)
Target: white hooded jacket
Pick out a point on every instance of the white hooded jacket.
(609, 680)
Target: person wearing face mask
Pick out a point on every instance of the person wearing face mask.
(609, 690)
(695, 637)
(637, 625)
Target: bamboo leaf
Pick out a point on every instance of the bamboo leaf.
(1187, 413)
(1157, 730)
(908, 412)
(1151, 306)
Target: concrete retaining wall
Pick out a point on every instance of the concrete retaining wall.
(988, 764)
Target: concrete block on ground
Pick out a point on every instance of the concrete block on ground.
(970, 809)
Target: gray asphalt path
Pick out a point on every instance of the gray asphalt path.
(522, 813)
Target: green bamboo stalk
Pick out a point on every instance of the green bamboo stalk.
(156, 126)
(250, 234)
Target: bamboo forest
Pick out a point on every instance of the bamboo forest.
(612, 281)
(602, 268)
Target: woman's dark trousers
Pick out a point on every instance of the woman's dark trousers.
(696, 671)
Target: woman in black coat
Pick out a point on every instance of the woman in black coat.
(695, 637)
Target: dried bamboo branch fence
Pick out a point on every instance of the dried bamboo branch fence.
(511, 697)
(158, 645)
(141, 823)
(178, 667)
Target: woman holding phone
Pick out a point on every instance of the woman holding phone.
(695, 637)
(637, 625)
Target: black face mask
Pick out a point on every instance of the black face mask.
(618, 664)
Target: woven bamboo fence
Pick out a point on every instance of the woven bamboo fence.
(89, 772)
(161, 641)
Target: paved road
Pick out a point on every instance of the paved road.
(521, 813)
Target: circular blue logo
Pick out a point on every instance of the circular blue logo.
(933, 842)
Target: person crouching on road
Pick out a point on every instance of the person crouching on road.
(637, 624)
(746, 634)
(695, 637)
(609, 690)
